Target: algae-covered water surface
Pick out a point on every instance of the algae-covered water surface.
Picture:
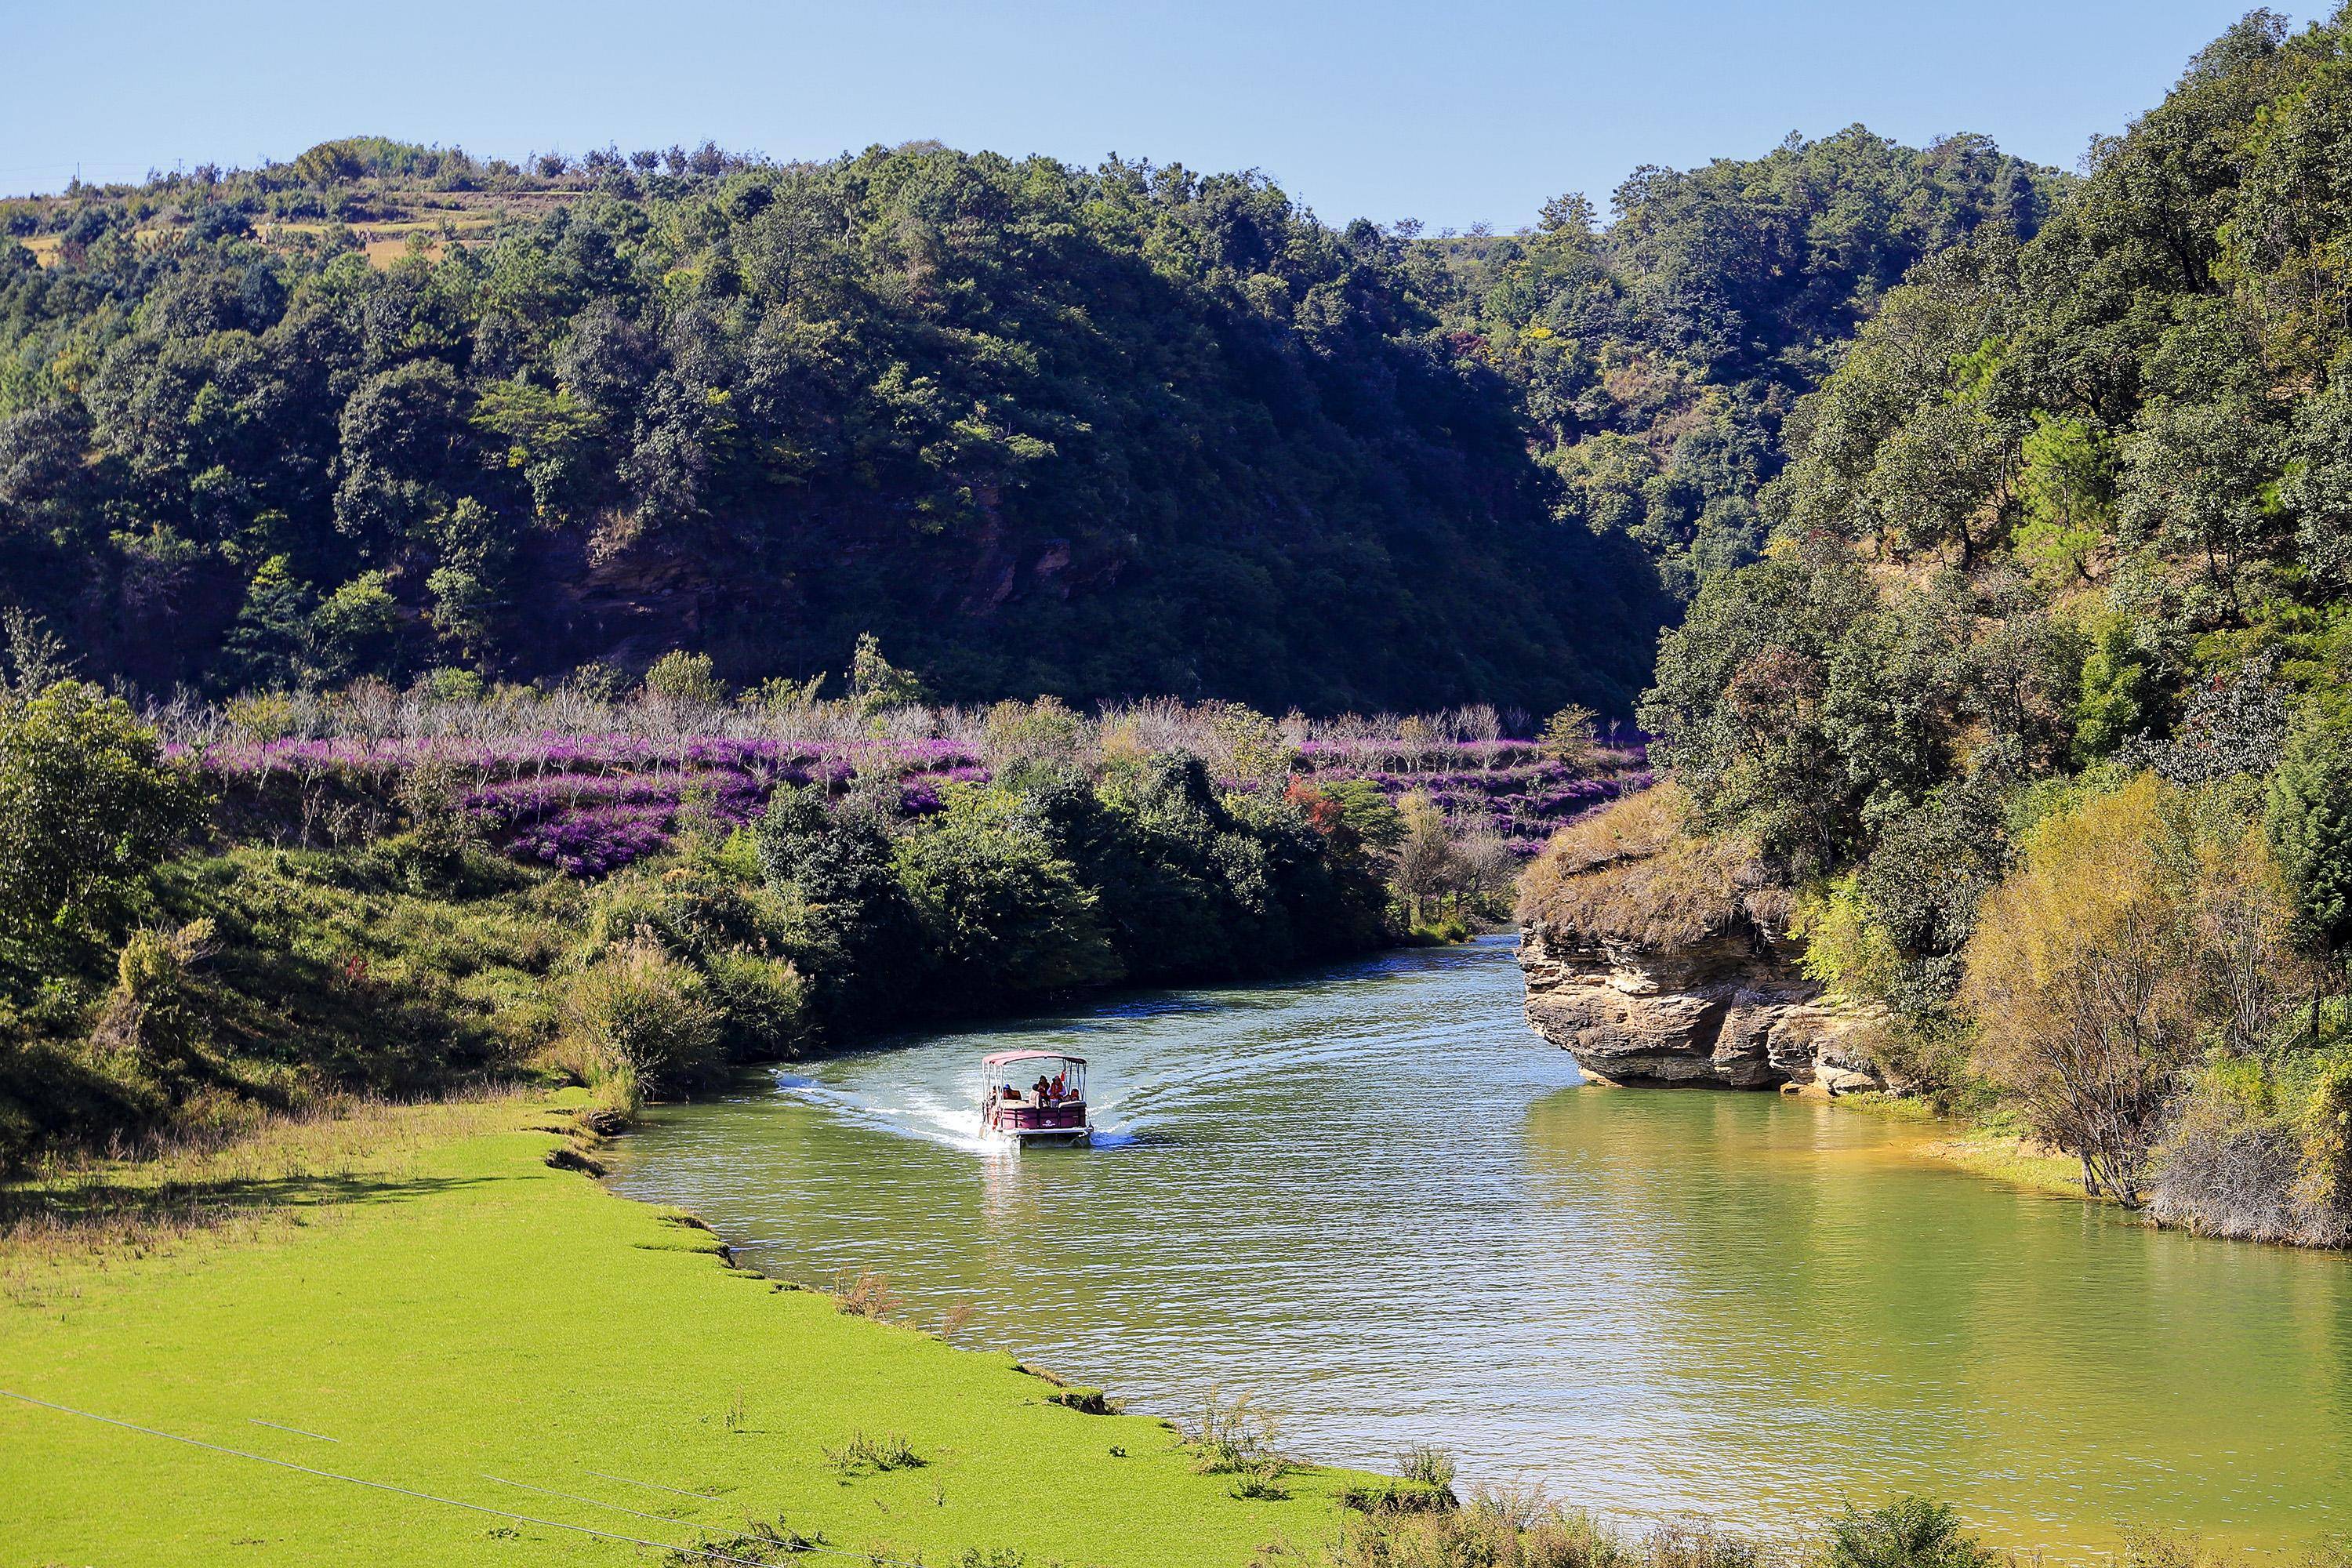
(1373, 1198)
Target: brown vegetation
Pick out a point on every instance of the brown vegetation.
(1640, 871)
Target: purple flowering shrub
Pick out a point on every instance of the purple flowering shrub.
(591, 804)
(1509, 788)
(586, 804)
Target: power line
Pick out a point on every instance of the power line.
(706, 1553)
(592, 1502)
(653, 1485)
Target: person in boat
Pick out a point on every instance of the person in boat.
(1043, 1088)
(1059, 1092)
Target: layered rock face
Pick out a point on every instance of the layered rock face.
(1729, 1010)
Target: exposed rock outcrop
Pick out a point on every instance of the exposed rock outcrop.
(1654, 953)
(1729, 1011)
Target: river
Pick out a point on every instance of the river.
(1373, 1198)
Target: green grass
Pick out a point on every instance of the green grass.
(446, 1307)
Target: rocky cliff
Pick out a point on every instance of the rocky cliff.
(1656, 954)
(1729, 1011)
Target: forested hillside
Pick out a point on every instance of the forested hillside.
(387, 409)
(1655, 360)
(1042, 429)
(2038, 699)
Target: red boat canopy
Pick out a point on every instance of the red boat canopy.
(1001, 1057)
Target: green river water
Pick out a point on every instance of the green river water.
(1374, 1198)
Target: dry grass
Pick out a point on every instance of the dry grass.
(239, 1180)
(867, 1295)
(1509, 1528)
(1640, 872)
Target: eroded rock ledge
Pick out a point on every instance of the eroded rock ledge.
(1656, 954)
(1718, 1013)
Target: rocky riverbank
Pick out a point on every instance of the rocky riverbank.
(1725, 1012)
(1653, 955)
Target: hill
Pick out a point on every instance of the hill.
(388, 407)
(1656, 359)
(1042, 429)
(2037, 702)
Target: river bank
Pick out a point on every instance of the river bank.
(423, 1302)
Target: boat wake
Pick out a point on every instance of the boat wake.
(909, 1110)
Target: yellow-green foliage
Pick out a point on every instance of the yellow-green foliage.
(2138, 927)
(2325, 1177)
(1846, 951)
(155, 1012)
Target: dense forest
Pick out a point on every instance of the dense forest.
(1654, 362)
(1095, 434)
(2037, 700)
(1125, 431)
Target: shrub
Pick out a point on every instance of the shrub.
(1913, 1532)
(639, 1015)
(1236, 1436)
(860, 1454)
(156, 1013)
(438, 848)
(88, 806)
(867, 1295)
(762, 1006)
(682, 677)
(1431, 1465)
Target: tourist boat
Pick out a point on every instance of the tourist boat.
(1034, 1096)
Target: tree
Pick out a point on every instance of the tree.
(875, 684)
(89, 807)
(268, 645)
(1427, 867)
(2309, 821)
(1913, 1532)
(1572, 739)
(1006, 911)
(2136, 926)
(678, 676)
(355, 628)
(2068, 487)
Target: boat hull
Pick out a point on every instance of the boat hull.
(1022, 1137)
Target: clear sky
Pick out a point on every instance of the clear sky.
(1451, 113)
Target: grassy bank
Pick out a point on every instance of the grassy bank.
(433, 1305)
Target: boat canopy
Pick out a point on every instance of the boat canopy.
(1003, 1058)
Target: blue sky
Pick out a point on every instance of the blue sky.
(1451, 113)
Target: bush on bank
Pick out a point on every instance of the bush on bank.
(152, 976)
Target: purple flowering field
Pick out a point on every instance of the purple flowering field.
(591, 804)
(586, 804)
(1509, 787)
